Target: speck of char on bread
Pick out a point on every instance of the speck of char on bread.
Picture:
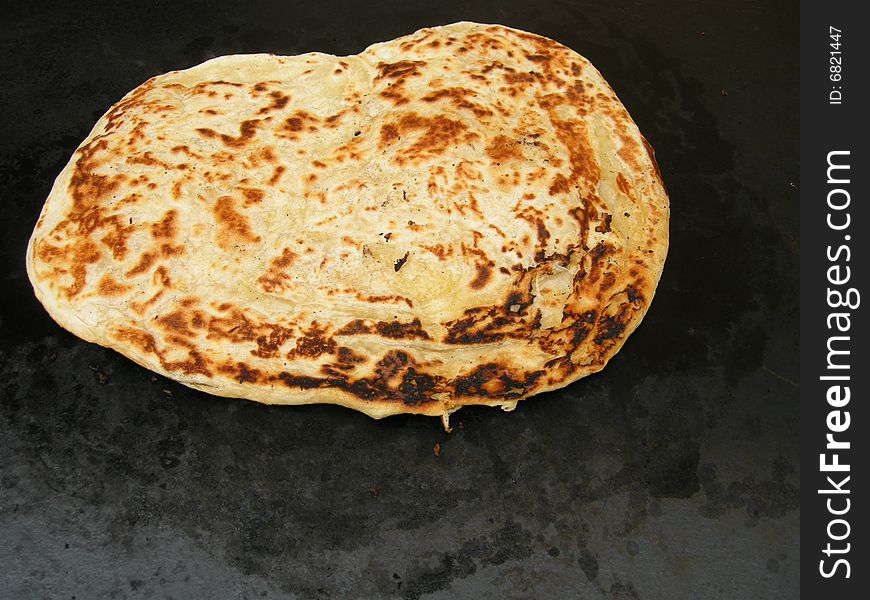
(464, 215)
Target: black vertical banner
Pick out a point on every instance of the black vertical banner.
(835, 299)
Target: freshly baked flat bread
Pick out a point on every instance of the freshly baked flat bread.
(465, 215)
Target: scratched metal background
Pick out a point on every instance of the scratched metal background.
(672, 474)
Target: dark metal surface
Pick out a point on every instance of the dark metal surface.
(671, 474)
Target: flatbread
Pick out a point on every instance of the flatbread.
(464, 215)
